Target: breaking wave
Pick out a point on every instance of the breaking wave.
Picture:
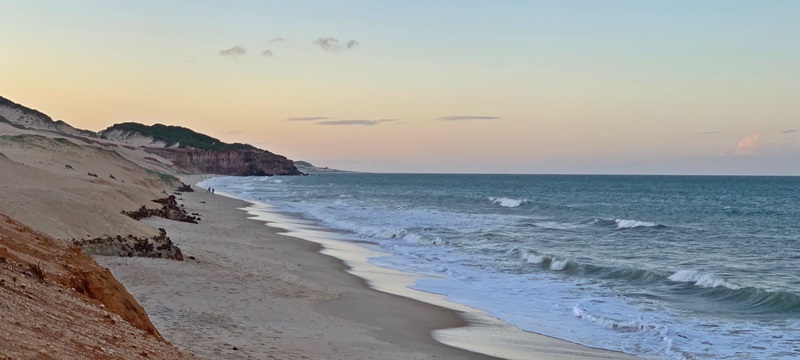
(747, 300)
(630, 224)
(547, 261)
(506, 202)
(701, 279)
(625, 223)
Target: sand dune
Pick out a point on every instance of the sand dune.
(45, 184)
(79, 311)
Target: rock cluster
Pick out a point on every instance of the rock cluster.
(159, 246)
(185, 188)
(169, 210)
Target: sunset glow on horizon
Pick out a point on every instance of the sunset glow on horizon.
(631, 87)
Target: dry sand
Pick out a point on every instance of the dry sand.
(275, 296)
(44, 183)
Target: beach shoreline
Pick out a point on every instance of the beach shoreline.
(247, 292)
(256, 286)
(481, 332)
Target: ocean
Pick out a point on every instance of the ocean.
(666, 267)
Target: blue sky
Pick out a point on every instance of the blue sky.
(538, 86)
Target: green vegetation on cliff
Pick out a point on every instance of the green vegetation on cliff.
(171, 135)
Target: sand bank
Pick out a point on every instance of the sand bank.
(252, 292)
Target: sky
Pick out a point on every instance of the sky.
(608, 87)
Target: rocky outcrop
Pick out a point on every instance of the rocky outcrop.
(200, 153)
(169, 210)
(229, 162)
(307, 168)
(21, 116)
(159, 246)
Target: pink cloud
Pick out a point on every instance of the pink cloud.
(749, 144)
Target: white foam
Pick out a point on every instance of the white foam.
(558, 265)
(626, 326)
(630, 224)
(412, 238)
(535, 259)
(701, 279)
(506, 202)
(636, 325)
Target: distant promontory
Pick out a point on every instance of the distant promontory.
(189, 151)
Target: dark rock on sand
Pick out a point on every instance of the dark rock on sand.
(159, 246)
(185, 188)
(169, 210)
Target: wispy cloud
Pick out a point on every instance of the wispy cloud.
(333, 44)
(267, 53)
(308, 118)
(789, 131)
(236, 50)
(467, 118)
(355, 122)
(756, 146)
(749, 144)
(710, 133)
(277, 39)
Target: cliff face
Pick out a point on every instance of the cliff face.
(199, 153)
(229, 162)
(68, 266)
(22, 116)
(60, 304)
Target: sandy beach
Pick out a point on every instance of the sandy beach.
(248, 291)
